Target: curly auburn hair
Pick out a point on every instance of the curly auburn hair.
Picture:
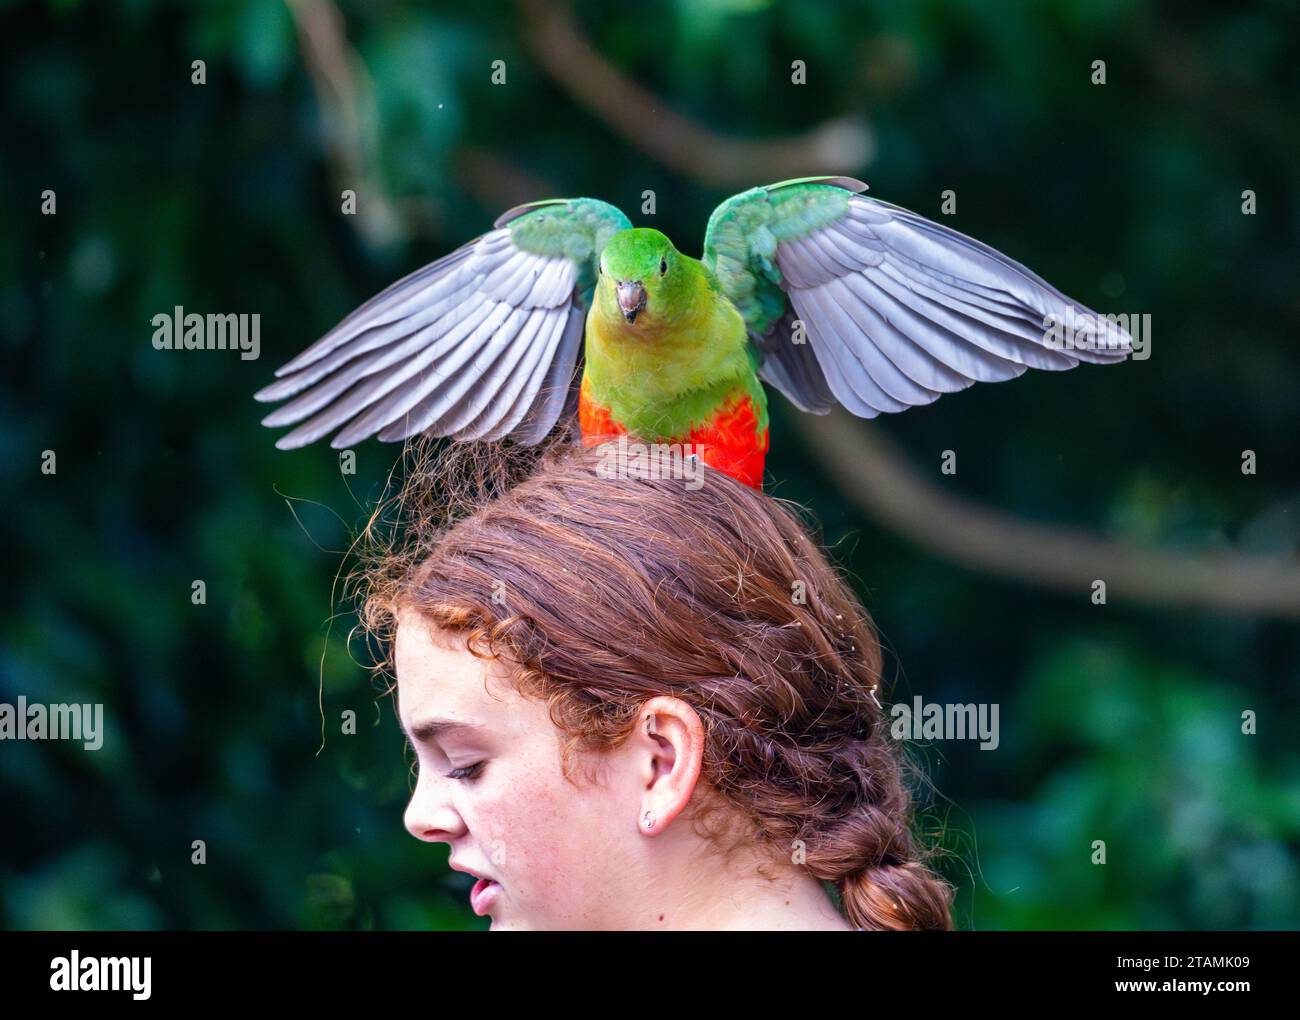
(602, 592)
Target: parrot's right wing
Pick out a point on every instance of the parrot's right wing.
(480, 344)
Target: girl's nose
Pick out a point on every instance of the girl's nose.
(430, 815)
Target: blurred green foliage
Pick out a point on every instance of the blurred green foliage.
(1118, 724)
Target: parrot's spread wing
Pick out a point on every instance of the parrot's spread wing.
(895, 310)
(480, 344)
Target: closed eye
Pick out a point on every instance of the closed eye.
(468, 774)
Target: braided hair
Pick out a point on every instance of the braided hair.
(603, 592)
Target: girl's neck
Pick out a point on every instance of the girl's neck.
(795, 901)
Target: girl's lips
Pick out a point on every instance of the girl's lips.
(482, 895)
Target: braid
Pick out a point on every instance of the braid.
(897, 897)
(846, 807)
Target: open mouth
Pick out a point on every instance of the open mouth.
(483, 894)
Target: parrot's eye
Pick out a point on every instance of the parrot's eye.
(663, 266)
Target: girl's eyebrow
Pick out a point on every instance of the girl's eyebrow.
(431, 729)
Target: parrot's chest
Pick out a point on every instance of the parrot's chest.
(729, 438)
(696, 387)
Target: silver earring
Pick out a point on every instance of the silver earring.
(649, 819)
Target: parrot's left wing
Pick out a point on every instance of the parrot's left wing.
(480, 344)
(895, 310)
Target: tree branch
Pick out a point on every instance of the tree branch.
(842, 145)
(878, 479)
(351, 135)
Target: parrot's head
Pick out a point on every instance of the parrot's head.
(644, 280)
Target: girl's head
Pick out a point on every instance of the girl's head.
(669, 710)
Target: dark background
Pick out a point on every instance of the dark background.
(1119, 722)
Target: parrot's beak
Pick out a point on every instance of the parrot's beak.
(631, 299)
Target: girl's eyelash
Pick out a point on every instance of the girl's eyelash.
(469, 772)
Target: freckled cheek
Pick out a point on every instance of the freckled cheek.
(541, 828)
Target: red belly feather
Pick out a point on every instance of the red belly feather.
(730, 442)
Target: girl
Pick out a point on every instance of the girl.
(638, 703)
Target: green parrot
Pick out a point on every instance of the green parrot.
(807, 285)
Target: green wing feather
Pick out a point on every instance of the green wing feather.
(743, 232)
(740, 249)
(576, 228)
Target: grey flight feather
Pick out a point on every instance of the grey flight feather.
(893, 310)
(479, 344)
